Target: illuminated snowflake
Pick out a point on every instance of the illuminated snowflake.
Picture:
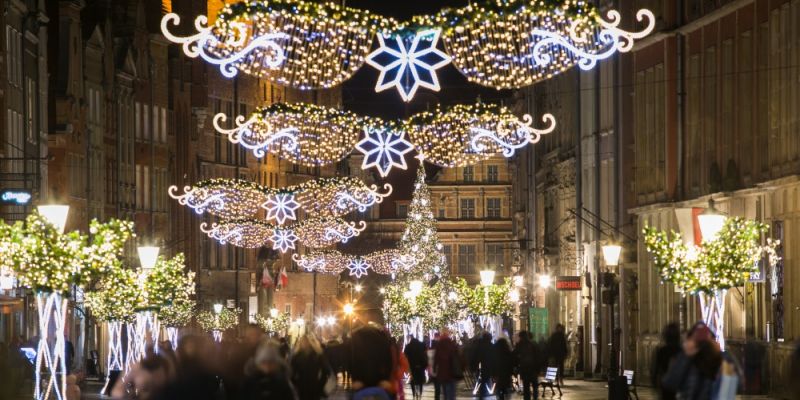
(283, 239)
(408, 67)
(281, 207)
(358, 268)
(384, 150)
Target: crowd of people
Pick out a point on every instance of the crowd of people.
(369, 364)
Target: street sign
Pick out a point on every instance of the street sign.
(17, 197)
(568, 283)
(537, 318)
(759, 275)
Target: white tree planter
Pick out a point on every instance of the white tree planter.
(217, 334)
(51, 366)
(713, 308)
(172, 336)
(114, 361)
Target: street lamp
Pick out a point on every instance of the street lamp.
(148, 255)
(519, 281)
(273, 312)
(415, 287)
(545, 281)
(711, 222)
(56, 215)
(487, 277)
(358, 288)
(348, 309)
(611, 253)
(217, 308)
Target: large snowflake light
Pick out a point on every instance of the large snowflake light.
(281, 207)
(384, 149)
(358, 268)
(408, 67)
(283, 240)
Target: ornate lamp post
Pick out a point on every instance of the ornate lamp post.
(146, 327)
(711, 222)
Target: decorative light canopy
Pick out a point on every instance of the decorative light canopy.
(302, 133)
(465, 135)
(252, 233)
(501, 44)
(384, 262)
(239, 199)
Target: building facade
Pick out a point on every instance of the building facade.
(702, 108)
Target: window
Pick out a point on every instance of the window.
(14, 53)
(139, 187)
(402, 210)
(468, 208)
(448, 253)
(494, 256)
(469, 174)
(146, 122)
(466, 259)
(492, 173)
(137, 125)
(493, 207)
(441, 213)
(288, 309)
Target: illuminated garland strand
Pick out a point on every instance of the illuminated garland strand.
(240, 199)
(252, 233)
(383, 262)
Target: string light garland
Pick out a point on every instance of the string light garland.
(383, 262)
(226, 319)
(504, 44)
(232, 199)
(252, 233)
(408, 62)
(274, 325)
(167, 282)
(492, 300)
(467, 134)
(303, 133)
(116, 297)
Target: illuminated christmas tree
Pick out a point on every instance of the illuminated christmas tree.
(420, 239)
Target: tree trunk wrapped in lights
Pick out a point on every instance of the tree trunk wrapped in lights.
(709, 271)
(51, 263)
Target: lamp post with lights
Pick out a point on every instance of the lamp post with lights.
(146, 327)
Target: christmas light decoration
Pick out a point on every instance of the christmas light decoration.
(229, 49)
(218, 322)
(283, 239)
(408, 62)
(273, 326)
(358, 268)
(709, 271)
(305, 134)
(384, 262)
(251, 233)
(281, 207)
(239, 199)
(420, 237)
(52, 263)
(384, 149)
(467, 134)
(324, 232)
(486, 300)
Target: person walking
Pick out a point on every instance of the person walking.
(693, 373)
(528, 363)
(418, 363)
(484, 363)
(310, 370)
(437, 392)
(269, 376)
(504, 368)
(370, 363)
(558, 350)
(662, 358)
(447, 365)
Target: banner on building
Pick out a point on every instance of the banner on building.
(537, 319)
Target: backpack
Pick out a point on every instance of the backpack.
(371, 393)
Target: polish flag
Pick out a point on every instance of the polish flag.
(266, 278)
(283, 279)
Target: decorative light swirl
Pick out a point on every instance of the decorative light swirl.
(305, 134)
(362, 198)
(224, 198)
(510, 135)
(232, 47)
(384, 262)
(223, 233)
(324, 44)
(284, 139)
(325, 232)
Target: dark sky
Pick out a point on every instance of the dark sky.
(359, 93)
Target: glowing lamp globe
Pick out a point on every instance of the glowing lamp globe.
(300, 322)
(6, 282)
(56, 215)
(148, 255)
(217, 308)
(331, 321)
(514, 295)
(711, 222)
(273, 312)
(519, 281)
(415, 287)
(348, 308)
(544, 281)
(358, 288)
(487, 277)
(611, 253)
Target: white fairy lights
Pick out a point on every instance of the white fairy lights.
(384, 262)
(384, 150)
(252, 233)
(408, 62)
(281, 207)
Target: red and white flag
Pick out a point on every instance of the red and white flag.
(283, 279)
(266, 278)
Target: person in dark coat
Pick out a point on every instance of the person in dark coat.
(558, 350)
(370, 362)
(663, 357)
(417, 362)
(446, 362)
(504, 368)
(694, 371)
(529, 362)
(310, 369)
(484, 363)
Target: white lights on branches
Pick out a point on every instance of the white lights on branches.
(314, 233)
(384, 262)
(281, 207)
(408, 66)
(384, 150)
(231, 49)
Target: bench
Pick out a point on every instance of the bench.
(628, 374)
(551, 380)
